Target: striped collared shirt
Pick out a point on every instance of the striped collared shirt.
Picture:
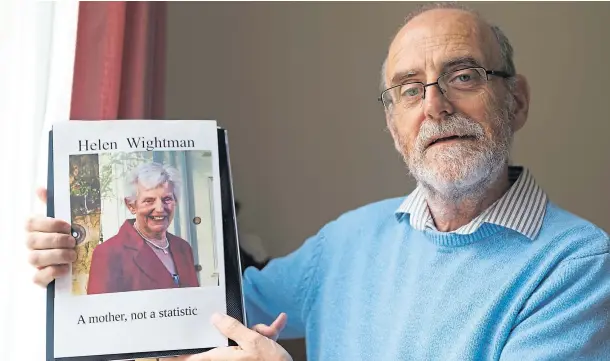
(521, 208)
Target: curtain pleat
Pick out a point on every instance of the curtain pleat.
(119, 64)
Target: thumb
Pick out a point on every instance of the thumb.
(42, 194)
(273, 331)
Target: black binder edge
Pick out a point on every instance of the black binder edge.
(233, 273)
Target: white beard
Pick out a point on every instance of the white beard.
(465, 168)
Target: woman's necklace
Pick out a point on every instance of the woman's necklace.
(164, 248)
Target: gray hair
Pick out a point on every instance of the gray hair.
(152, 175)
(506, 49)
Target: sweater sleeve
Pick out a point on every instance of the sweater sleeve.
(567, 317)
(286, 284)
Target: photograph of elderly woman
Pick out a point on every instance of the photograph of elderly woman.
(142, 221)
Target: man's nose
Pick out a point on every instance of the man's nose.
(436, 105)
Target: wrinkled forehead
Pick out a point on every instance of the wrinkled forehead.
(436, 41)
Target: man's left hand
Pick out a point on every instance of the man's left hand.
(257, 344)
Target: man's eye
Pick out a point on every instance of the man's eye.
(409, 91)
(463, 78)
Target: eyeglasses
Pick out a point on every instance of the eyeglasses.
(454, 85)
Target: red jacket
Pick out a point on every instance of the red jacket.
(125, 263)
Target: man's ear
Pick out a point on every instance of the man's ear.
(129, 206)
(521, 94)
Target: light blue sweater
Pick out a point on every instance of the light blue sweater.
(368, 287)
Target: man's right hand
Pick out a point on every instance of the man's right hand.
(51, 246)
(253, 345)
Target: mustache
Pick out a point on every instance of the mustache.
(452, 125)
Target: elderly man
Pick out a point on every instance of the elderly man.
(476, 263)
(143, 255)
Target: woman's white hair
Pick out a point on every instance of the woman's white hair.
(150, 176)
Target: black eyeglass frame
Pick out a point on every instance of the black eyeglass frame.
(498, 73)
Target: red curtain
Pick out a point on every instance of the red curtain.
(120, 61)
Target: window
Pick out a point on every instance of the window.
(37, 42)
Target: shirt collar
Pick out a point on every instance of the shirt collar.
(521, 208)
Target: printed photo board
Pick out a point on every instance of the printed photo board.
(152, 210)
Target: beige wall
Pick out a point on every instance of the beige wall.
(296, 85)
(292, 81)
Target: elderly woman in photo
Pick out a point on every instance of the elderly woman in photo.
(143, 255)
